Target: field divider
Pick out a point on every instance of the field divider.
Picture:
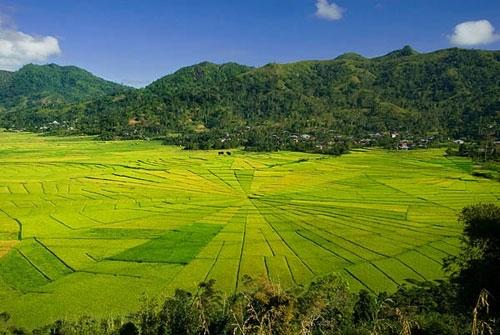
(44, 191)
(109, 274)
(290, 270)
(99, 194)
(225, 182)
(411, 195)
(122, 194)
(336, 235)
(268, 273)
(215, 261)
(208, 180)
(34, 266)
(241, 251)
(359, 280)
(298, 232)
(267, 241)
(364, 219)
(135, 178)
(150, 163)
(61, 222)
(25, 188)
(282, 239)
(92, 257)
(409, 267)
(54, 254)
(145, 261)
(385, 274)
(19, 224)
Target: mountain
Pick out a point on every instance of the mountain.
(406, 51)
(451, 92)
(47, 89)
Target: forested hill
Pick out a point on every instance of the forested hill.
(36, 93)
(453, 92)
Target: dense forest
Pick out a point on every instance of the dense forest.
(451, 93)
(466, 303)
(35, 95)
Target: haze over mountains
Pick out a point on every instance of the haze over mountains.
(453, 92)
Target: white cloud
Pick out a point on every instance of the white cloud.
(18, 48)
(328, 11)
(472, 33)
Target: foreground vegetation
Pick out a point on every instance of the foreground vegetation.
(88, 227)
(466, 304)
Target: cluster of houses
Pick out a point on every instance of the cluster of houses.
(56, 125)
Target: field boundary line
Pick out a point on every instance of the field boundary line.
(242, 249)
(99, 194)
(215, 261)
(290, 270)
(298, 232)
(411, 195)
(359, 280)
(267, 241)
(61, 222)
(385, 274)
(34, 266)
(225, 182)
(268, 273)
(338, 236)
(54, 254)
(409, 267)
(210, 181)
(108, 274)
(19, 224)
(363, 219)
(282, 239)
(25, 188)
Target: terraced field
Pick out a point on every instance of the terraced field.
(87, 227)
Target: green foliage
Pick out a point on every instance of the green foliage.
(326, 305)
(36, 95)
(365, 309)
(453, 93)
(450, 91)
(478, 265)
(264, 308)
(129, 328)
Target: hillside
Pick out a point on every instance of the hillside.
(36, 93)
(451, 92)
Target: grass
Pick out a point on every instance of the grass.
(88, 227)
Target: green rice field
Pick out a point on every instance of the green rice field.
(89, 227)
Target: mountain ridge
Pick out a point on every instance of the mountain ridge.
(453, 92)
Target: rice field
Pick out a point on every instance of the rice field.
(89, 227)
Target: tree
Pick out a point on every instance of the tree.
(326, 305)
(129, 328)
(477, 267)
(365, 309)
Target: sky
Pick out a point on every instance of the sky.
(137, 41)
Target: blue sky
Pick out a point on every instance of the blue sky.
(138, 41)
